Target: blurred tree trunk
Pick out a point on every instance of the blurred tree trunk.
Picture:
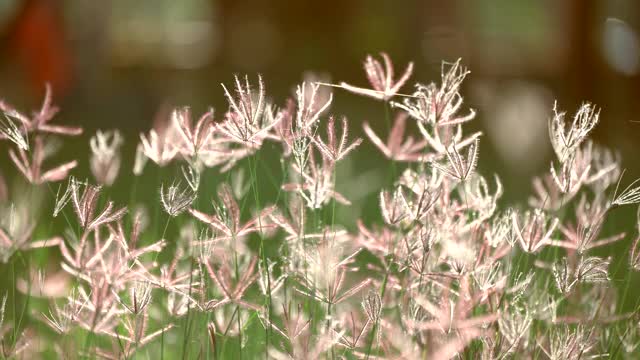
(583, 71)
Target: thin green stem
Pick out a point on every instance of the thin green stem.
(387, 121)
(263, 255)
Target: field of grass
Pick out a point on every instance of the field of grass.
(256, 232)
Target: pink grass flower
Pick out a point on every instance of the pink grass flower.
(381, 79)
(333, 148)
(39, 121)
(397, 147)
(31, 169)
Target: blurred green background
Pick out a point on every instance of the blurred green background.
(113, 64)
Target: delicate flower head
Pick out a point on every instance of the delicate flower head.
(630, 195)
(535, 230)
(395, 207)
(310, 105)
(157, 147)
(372, 305)
(175, 198)
(489, 278)
(39, 121)
(9, 130)
(63, 319)
(193, 139)
(381, 79)
(453, 314)
(514, 328)
(232, 284)
(192, 177)
(246, 123)
(566, 138)
(62, 199)
(566, 343)
(333, 149)
(16, 231)
(605, 167)
(31, 169)
(139, 297)
(317, 186)
(590, 218)
(479, 198)
(593, 269)
(84, 198)
(105, 156)
(459, 167)
(299, 119)
(438, 106)
(572, 175)
(226, 218)
(397, 148)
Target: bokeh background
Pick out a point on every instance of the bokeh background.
(114, 64)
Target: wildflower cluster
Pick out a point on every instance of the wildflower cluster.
(447, 272)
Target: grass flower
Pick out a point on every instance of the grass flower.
(39, 121)
(381, 79)
(566, 138)
(245, 122)
(317, 186)
(534, 231)
(175, 199)
(438, 105)
(16, 233)
(630, 195)
(397, 148)
(194, 139)
(335, 149)
(157, 148)
(105, 156)
(274, 267)
(85, 202)
(32, 169)
(10, 131)
(231, 293)
(460, 167)
(311, 103)
(226, 220)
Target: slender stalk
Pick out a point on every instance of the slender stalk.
(383, 289)
(187, 317)
(162, 345)
(263, 255)
(237, 311)
(387, 121)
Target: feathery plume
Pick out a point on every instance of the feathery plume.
(535, 231)
(32, 169)
(10, 131)
(39, 121)
(459, 167)
(85, 202)
(566, 138)
(194, 140)
(105, 156)
(175, 198)
(381, 79)
(245, 122)
(333, 149)
(438, 106)
(397, 148)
